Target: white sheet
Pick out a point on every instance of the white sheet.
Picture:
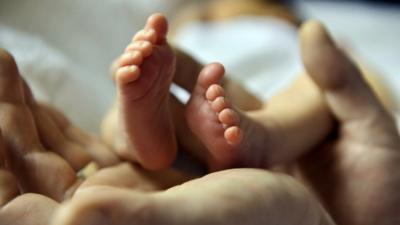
(64, 47)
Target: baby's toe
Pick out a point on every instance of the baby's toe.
(130, 58)
(214, 91)
(127, 74)
(228, 117)
(219, 104)
(159, 23)
(149, 35)
(145, 47)
(233, 135)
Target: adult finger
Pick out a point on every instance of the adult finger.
(245, 197)
(52, 138)
(100, 153)
(37, 170)
(126, 175)
(348, 95)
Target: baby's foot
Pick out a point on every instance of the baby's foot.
(143, 79)
(232, 138)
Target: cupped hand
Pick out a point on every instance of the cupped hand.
(40, 160)
(42, 153)
(355, 172)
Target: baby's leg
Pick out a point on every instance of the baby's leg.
(143, 79)
(288, 127)
(297, 119)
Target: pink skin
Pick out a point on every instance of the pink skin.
(143, 77)
(232, 138)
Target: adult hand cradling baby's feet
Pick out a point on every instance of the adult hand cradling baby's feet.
(41, 152)
(39, 187)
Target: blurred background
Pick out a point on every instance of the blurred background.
(64, 47)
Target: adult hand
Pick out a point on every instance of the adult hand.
(356, 171)
(41, 153)
(111, 195)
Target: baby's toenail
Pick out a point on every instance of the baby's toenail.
(233, 135)
(150, 32)
(135, 54)
(144, 44)
(229, 117)
(132, 69)
(127, 69)
(127, 55)
(214, 91)
(219, 104)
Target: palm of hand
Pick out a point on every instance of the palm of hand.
(353, 174)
